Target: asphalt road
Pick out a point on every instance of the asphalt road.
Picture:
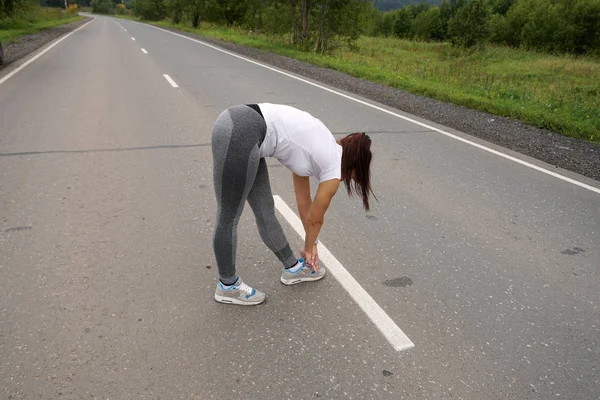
(490, 267)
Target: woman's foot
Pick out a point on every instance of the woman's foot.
(239, 293)
(301, 273)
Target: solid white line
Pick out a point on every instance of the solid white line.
(132, 38)
(144, 51)
(382, 321)
(9, 75)
(469, 142)
(171, 81)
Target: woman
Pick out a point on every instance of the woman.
(242, 137)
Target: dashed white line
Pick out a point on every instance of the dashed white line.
(382, 321)
(171, 81)
(450, 135)
(144, 51)
(16, 70)
(132, 38)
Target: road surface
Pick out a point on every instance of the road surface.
(490, 267)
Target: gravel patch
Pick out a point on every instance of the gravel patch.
(29, 43)
(572, 154)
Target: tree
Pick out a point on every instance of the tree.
(232, 11)
(445, 15)
(175, 9)
(417, 8)
(341, 18)
(562, 26)
(390, 5)
(586, 15)
(193, 9)
(325, 10)
(276, 18)
(547, 29)
(152, 10)
(376, 19)
(102, 6)
(9, 7)
(305, 7)
(470, 25)
(428, 25)
(501, 7)
(387, 23)
(499, 29)
(403, 23)
(516, 18)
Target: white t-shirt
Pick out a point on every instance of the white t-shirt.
(301, 142)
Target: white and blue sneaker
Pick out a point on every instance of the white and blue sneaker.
(238, 293)
(301, 273)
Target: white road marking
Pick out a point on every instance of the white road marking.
(382, 321)
(125, 29)
(132, 38)
(144, 51)
(10, 75)
(171, 81)
(450, 135)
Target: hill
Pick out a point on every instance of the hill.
(387, 5)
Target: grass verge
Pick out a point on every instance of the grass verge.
(34, 21)
(557, 92)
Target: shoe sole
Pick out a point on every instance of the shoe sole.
(229, 300)
(290, 282)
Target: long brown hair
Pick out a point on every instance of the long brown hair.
(356, 156)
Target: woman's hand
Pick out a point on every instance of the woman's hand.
(311, 257)
(315, 254)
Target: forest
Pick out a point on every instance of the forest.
(564, 26)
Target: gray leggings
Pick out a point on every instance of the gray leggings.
(240, 174)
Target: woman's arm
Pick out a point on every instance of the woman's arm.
(316, 213)
(312, 213)
(303, 199)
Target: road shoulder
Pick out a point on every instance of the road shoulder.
(27, 44)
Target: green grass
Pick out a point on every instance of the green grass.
(560, 93)
(33, 21)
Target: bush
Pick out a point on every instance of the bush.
(499, 29)
(501, 6)
(428, 25)
(152, 10)
(402, 23)
(548, 29)
(73, 9)
(102, 6)
(120, 9)
(175, 10)
(586, 15)
(470, 25)
(387, 24)
(276, 19)
(555, 25)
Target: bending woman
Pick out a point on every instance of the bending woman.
(242, 137)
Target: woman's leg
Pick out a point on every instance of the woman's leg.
(235, 141)
(261, 201)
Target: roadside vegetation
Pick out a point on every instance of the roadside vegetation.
(20, 18)
(534, 60)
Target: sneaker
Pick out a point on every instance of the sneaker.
(238, 293)
(301, 273)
